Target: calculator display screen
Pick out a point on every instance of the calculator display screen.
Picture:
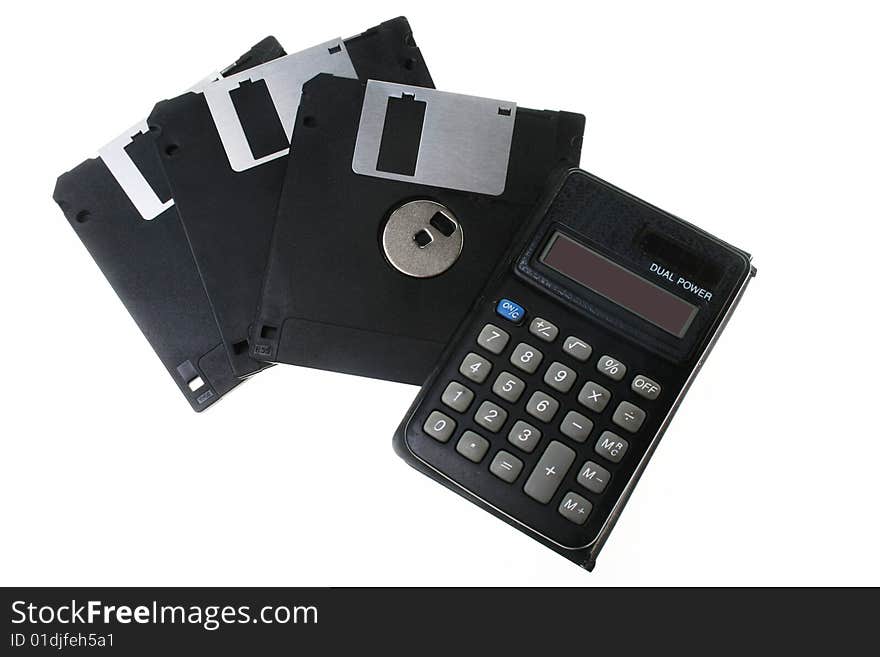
(599, 274)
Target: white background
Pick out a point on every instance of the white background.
(758, 122)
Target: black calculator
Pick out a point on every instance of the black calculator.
(554, 392)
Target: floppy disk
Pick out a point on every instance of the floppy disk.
(396, 207)
(224, 154)
(122, 210)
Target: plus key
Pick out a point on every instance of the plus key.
(548, 473)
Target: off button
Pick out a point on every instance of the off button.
(510, 310)
(645, 387)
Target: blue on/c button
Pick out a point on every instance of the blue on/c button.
(510, 310)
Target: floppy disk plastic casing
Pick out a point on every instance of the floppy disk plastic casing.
(331, 299)
(144, 255)
(227, 198)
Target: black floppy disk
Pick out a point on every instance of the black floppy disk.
(225, 150)
(396, 207)
(120, 206)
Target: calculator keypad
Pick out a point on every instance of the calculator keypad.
(475, 367)
(439, 426)
(457, 397)
(577, 349)
(611, 367)
(575, 508)
(629, 416)
(524, 436)
(576, 426)
(493, 339)
(526, 357)
(611, 446)
(472, 446)
(559, 377)
(506, 466)
(490, 416)
(594, 397)
(538, 420)
(548, 473)
(543, 330)
(593, 477)
(542, 406)
(509, 387)
(645, 387)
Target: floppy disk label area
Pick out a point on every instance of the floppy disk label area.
(435, 138)
(138, 170)
(282, 79)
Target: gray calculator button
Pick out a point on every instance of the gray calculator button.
(508, 387)
(543, 330)
(490, 416)
(629, 416)
(576, 426)
(645, 387)
(542, 406)
(611, 367)
(526, 357)
(611, 446)
(559, 377)
(575, 508)
(439, 426)
(506, 466)
(457, 396)
(493, 339)
(594, 396)
(577, 348)
(475, 367)
(548, 474)
(593, 477)
(524, 436)
(472, 446)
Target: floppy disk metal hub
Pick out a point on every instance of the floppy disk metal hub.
(422, 239)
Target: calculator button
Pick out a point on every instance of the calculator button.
(475, 367)
(577, 348)
(510, 310)
(594, 396)
(611, 367)
(593, 477)
(472, 446)
(548, 474)
(506, 466)
(576, 426)
(439, 426)
(611, 446)
(508, 387)
(524, 436)
(629, 416)
(645, 387)
(543, 330)
(542, 406)
(490, 416)
(493, 339)
(457, 396)
(559, 377)
(575, 508)
(526, 357)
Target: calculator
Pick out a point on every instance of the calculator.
(555, 390)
